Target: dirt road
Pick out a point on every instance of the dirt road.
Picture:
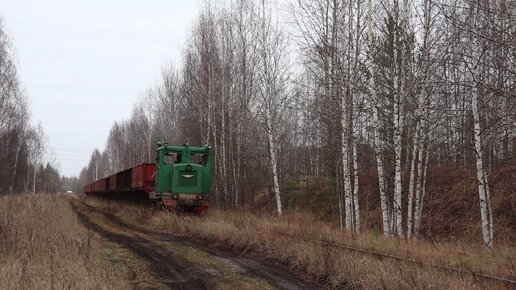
(162, 261)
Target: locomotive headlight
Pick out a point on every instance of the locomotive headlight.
(188, 167)
(175, 196)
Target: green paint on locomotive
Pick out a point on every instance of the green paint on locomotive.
(183, 170)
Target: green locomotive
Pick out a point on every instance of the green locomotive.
(180, 179)
(183, 177)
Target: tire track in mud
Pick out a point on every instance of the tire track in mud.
(179, 273)
(174, 272)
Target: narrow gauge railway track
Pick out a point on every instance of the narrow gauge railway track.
(461, 271)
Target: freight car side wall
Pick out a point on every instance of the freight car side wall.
(138, 178)
(123, 180)
(143, 175)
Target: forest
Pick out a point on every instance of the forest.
(26, 166)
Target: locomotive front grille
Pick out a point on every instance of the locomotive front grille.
(187, 178)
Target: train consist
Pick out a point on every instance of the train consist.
(180, 179)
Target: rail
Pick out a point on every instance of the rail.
(460, 271)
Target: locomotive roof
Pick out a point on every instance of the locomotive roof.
(205, 148)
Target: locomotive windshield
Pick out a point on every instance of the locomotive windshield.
(172, 158)
(199, 158)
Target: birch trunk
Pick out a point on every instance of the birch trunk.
(399, 93)
(34, 180)
(97, 168)
(422, 135)
(419, 204)
(398, 125)
(483, 190)
(377, 143)
(27, 181)
(489, 209)
(150, 144)
(356, 205)
(421, 176)
(338, 189)
(356, 113)
(417, 170)
(15, 167)
(341, 210)
(272, 156)
(223, 158)
(345, 168)
(236, 173)
(413, 168)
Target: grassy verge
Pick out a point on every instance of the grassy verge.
(43, 245)
(298, 240)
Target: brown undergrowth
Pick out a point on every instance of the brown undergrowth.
(300, 241)
(43, 245)
(451, 209)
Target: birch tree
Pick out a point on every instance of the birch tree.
(418, 149)
(476, 89)
(399, 82)
(376, 121)
(36, 153)
(272, 79)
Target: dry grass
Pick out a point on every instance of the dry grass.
(44, 246)
(298, 240)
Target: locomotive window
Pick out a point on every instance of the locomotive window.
(199, 158)
(172, 158)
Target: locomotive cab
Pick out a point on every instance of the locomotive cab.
(183, 177)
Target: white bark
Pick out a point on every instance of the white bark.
(356, 205)
(483, 190)
(341, 210)
(421, 176)
(96, 177)
(236, 167)
(399, 80)
(272, 77)
(414, 210)
(413, 168)
(223, 158)
(34, 180)
(489, 209)
(15, 167)
(346, 173)
(398, 127)
(27, 181)
(421, 191)
(272, 155)
(377, 142)
(150, 144)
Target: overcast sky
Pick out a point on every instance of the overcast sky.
(84, 63)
